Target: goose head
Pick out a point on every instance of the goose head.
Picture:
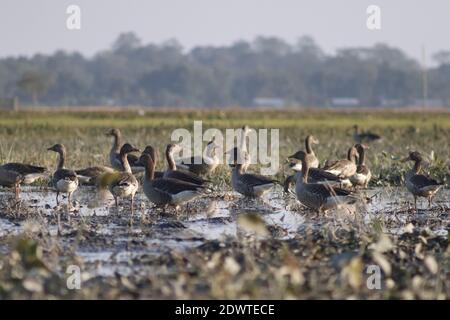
(413, 156)
(59, 148)
(113, 132)
(128, 148)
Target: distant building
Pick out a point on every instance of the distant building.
(345, 102)
(9, 103)
(269, 102)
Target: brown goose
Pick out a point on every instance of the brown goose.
(154, 154)
(13, 174)
(344, 168)
(114, 154)
(418, 184)
(172, 171)
(364, 136)
(11, 179)
(248, 184)
(166, 191)
(90, 176)
(315, 175)
(320, 197)
(363, 175)
(309, 141)
(29, 172)
(63, 180)
(124, 184)
(202, 165)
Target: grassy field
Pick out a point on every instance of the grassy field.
(327, 258)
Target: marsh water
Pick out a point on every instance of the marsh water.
(116, 240)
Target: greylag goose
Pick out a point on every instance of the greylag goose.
(29, 172)
(204, 165)
(317, 196)
(309, 141)
(90, 176)
(418, 184)
(11, 179)
(248, 184)
(166, 191)
(364, 136)
(172, 171)
(344, 168)
(63, 180)
(124, 184)
(363, 175)
(315, 175)
(114, 154)
(155, 155)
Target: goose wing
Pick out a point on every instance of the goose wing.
(185, 176)
(93, 171)
(253, 180)
(420, 181)
(316, 175)
(9, 178)
(23, 168)
(174, 186)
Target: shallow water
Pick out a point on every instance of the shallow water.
(115, 243)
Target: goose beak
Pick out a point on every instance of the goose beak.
(404, 159)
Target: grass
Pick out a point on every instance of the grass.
(328, 258)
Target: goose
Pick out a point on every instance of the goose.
(317, 196)
(363, 175)
(63, 180)
(344, 168)
(364, 136)
(315, 175)
(204, 165)
(418, 184)
(172, 171)
(11, 179)
(154, 154)
(89, 176)
(309, 141)
(166, 191)
(29, 172)
(124, 184)
(114, 153)
(248, 184)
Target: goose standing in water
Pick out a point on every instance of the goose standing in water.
(13, 174)
(172, 171)
(166, 191)
(11, 179)
(29, 172)
(418, 184)
(63, 180)
(315, 175)
(344, 168)
(364, 136)
(90, 176)
(363, 175)
(114, 154)
(317, 196)
(204, 165)
(248, 184)
(124, 184)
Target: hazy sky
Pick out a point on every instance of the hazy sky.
(31, 26)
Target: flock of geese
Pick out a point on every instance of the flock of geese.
(323, 188)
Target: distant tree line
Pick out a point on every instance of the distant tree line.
(301, 74)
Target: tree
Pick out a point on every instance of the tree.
(35, 84)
